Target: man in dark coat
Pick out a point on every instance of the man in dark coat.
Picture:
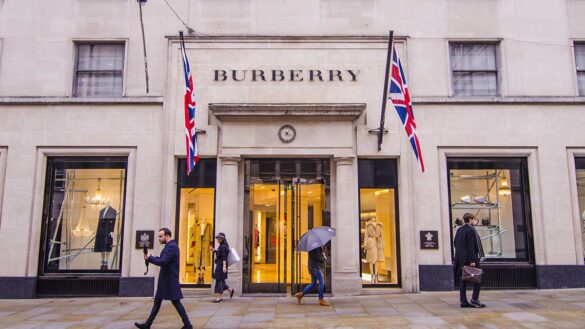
(168, 287)
(316, 263)
(468, 252)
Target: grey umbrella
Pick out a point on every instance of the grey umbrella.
(315, 238)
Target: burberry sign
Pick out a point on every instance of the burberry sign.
(287, 75)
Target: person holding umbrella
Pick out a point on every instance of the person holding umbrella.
(313, 241)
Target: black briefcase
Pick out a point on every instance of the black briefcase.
(472, 274)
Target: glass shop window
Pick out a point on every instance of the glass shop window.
(496, 192)
(379, 253)
(580, 166)
(83, 216)
(196, 221)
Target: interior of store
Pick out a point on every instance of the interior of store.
(88, 209)
(196, 231)
(378, 232)
(487, 194)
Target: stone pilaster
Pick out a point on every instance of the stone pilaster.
(227, 213)
(346, 276)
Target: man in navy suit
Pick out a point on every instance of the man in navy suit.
(468, 252)
(168, 287)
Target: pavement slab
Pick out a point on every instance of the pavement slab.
(505, 309)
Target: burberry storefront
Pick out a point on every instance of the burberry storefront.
(287, 141)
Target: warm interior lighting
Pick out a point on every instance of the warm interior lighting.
(82, 228)
(504, 189)
(97, 200)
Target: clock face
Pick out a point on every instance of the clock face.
(287, 133)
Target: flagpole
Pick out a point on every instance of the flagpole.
(385, 94)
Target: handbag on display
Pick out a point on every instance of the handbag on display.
(233, 257)
(471, 274)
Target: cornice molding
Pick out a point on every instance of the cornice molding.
(332, 111)
(558, 100)
(139, 100)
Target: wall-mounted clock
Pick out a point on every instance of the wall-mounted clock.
(287, 133)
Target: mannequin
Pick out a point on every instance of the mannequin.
(104, 237)
(370, 247)
(374, 245)
(204, 234)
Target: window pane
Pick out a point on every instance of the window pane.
(580, 165)
(580, 57)
(474, 84)
(105, 64)
(85, 218)
(581, 82)
(378, 236)
(100, 57)
(99, 84)
(495, 197)
(473, 57)
(196, 222)
(378, 217)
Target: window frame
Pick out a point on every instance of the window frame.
(391, 182)
(497, 71)
(197, 179)
(580, 44)
(48, 198)
(491, 162)
(81, 42)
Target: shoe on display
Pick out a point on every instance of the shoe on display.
(477, 303)
(323, 302)
(141, 325)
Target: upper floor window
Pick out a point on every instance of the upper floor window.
(580, 62)
(99, 70)
(474, 69)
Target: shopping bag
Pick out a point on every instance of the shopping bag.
(472, 274)
(233, 257)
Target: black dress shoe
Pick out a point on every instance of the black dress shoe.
(142, 325)
(467, 305)
(187, 326)
(477, 303)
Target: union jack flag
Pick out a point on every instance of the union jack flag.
(401, 99)
(190, 135)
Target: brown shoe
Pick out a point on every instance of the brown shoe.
(299, 296)
(323, 302)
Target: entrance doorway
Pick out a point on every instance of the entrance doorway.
(284, 199)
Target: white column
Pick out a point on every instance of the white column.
(226, 220)
(346, 276)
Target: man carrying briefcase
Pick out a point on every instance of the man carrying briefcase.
(468, 252)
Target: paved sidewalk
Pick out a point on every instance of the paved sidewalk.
(505, 309)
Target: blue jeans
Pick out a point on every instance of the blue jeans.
(316, 275)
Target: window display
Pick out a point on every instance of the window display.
(495, 192)
(580, 166)
(378, 218)
(84, 208)
(195, 222)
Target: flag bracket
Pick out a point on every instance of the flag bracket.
(377, 131)
(200, 132)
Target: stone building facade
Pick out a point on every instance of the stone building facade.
(288, 95)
